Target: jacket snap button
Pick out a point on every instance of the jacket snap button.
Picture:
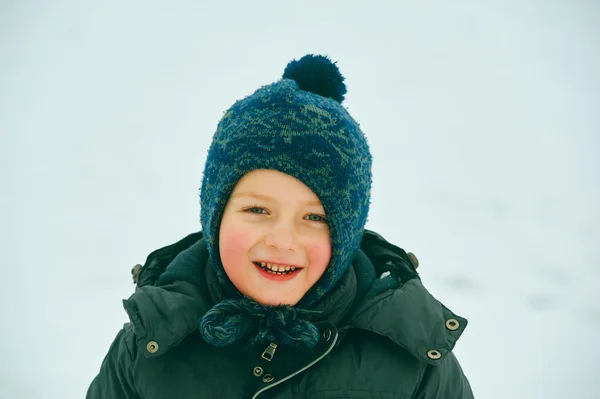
(327, 334)
(434, 355)
(268, 378)
(257, 371)
(452, 324)
(152, 347)
(413, 259)
(135, 272)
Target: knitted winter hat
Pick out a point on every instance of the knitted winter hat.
(299, 127)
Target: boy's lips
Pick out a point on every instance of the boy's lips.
(281, 276)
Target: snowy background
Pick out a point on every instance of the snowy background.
(484, 122)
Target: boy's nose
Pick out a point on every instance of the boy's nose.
(283, 238)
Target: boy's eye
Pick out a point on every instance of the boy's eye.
(257, 210)
(319, 218)
(254, 208)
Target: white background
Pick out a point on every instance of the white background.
(483, 120)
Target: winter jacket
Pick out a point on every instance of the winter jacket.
(389, 338)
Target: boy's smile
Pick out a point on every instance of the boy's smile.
(277, 268)
(274, 239)
(283, 274)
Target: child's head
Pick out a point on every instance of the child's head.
(287, 180)
(271, 216)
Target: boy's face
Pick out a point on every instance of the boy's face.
(274, 218)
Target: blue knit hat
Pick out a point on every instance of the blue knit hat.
(299, 127)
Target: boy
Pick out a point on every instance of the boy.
(281, 294)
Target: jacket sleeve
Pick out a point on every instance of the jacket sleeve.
(445, 380)
(115, 379)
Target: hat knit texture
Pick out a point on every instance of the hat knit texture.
(297, 126)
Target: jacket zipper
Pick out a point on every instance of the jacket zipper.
(301, 370)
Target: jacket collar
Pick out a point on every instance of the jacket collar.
(397, 306)
(400, 308)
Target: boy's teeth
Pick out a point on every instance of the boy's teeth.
(276, 268)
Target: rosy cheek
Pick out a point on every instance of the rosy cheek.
(234, 245)
(320, 255)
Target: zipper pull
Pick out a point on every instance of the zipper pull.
(269, 352)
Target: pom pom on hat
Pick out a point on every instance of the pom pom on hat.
(317, 74)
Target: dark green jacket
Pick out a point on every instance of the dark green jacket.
(386, 339)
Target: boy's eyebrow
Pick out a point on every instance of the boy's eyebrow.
(267, 198)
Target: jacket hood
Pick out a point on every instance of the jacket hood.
(167, 307)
